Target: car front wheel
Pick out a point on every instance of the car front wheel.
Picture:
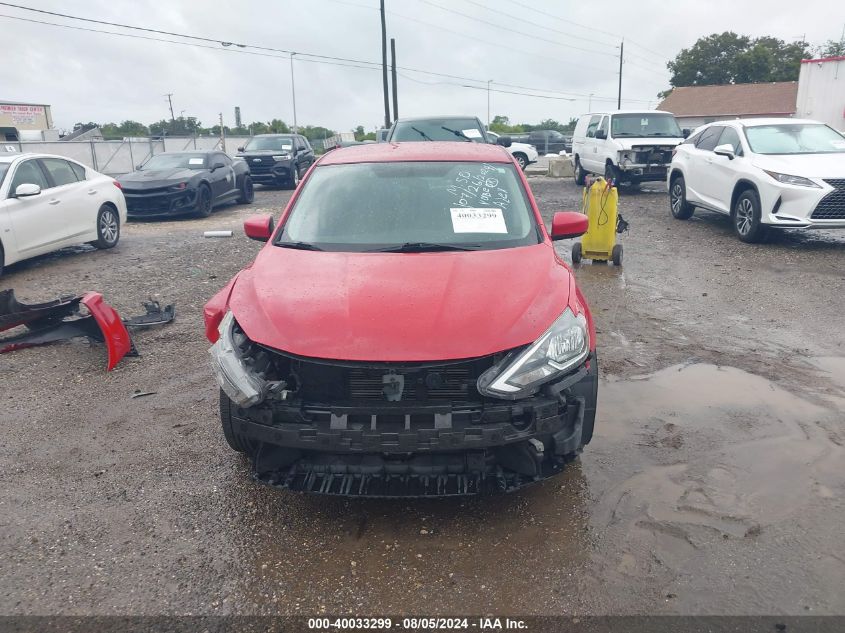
(294, 179)
(235, 441)
(521, 160)
(204, 205)
(108, 227)
(681, 209)
(247, 191)
(746, 218)
(580, 174)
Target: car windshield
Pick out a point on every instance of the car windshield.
(414, 206)
(644, 124)
(175, 161)
(794, 138)
(438, 130)
(273, 143)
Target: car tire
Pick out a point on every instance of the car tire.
(236, 442)
(294, 180)
(204, 202)
(2, 260)
(678, 205)
(576, 253)
(108, 227)
(247, 191)
(521, 160)
(579, 173)
(616, 255)
(746, 218)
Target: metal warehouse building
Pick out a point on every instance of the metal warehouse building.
(821, 91)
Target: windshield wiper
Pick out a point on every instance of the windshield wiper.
(421, 133)
(422, 247)
(457, 133)
(303, 246)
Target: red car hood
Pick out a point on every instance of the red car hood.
(400, 306)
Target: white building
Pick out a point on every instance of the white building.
(821, 91)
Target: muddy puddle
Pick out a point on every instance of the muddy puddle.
(706, 490)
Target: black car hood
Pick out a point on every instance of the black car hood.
(263, 152)
(151, 179)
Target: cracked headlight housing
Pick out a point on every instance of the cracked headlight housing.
(562, 347)
(241, 384)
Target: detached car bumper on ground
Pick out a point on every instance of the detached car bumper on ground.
(382, 366)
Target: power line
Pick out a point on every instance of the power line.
(510, 30)
(662, 56)
(302, 57)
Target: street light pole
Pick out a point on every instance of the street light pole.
(293, 92)
(489, 81)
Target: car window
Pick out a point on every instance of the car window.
(60, 171)
(271, 143)
(794, 138)
(28, 173)
(438, 130)
(306, 144)
(368, 206)
(603, 125)
(176, 161)
(78, 169)
(223, 158)
(644, 124)
(731, 137)
(591, 128)
(709, 138)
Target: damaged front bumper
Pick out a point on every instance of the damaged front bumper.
(402, 449)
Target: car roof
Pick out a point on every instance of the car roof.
(437, 117)
(460, 151)
(8, 157)
(603, 112)
(278, 134)
(770, 121)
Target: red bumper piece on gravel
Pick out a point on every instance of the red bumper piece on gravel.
(115, 335)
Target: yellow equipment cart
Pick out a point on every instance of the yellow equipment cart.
(599, 204)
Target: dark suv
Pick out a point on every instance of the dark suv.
(277, 159)
(546, 141)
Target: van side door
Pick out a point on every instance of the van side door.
(588, 154)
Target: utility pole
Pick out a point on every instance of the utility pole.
(293, 93)
(590, 103)
(619, 97)
(384, 66)
(489, 81)
(222, 134)
(393, 78)
(170, 101)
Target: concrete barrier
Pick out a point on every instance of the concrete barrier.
(560, 168)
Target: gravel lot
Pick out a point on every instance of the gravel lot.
(714, 484)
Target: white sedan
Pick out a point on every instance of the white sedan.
(763, 173)
(523, 153)
(49, 202)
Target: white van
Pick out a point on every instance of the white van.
(627, 146)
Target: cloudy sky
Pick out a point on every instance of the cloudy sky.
(565, 50)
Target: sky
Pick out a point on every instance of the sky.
(558, 52)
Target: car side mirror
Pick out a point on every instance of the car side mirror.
(504, 141)
(259, 227)
(568, 224)
(138, 167)
(725, 150)
(27, 189)
(217, 166)
(241, 148)
(686, 132)
(601, 134)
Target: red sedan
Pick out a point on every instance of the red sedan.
(408, 330)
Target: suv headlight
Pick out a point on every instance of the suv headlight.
(798, 181)
(562, 347)
(279, 157)
(235, 378)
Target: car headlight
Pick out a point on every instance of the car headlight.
(180, 187)
(278, 157)
(562, 347)
(243, 386)
(798, 181)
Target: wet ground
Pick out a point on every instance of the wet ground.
(715, 482)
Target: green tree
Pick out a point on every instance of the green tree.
(725, 58)
(277, 126)
(258, 127)
(316, 132)
(831, 48)
(127, 128)
(359, 133)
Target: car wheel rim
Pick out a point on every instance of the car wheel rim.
(108, 226)
(206, 201)
(744, 215)
(295, 175)
(521, 162)
(676, 198)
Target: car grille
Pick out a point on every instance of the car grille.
(832, 206)
(264, 166)
(448, 383)
(149, 203)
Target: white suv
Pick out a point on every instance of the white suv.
(787, 173)
(627, 146)
(523, 153)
